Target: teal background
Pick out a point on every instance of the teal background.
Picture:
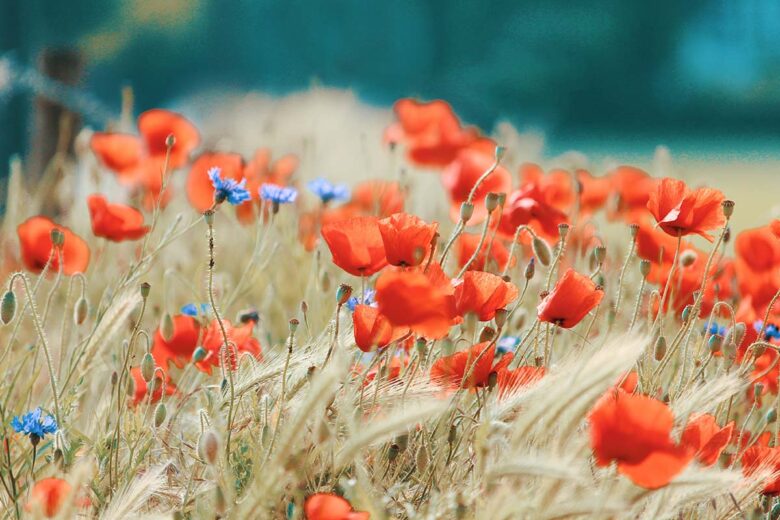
(702, 76)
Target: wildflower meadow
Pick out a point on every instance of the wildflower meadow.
(191, 331)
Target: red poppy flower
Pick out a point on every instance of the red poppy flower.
(757, 263)
(682, 211)
(48, 495)
(572, 298)
(179, 349)
(469, 368)
(594, 191)
(115, 222)
(527, 207)
(764, 459)
(372, 329)
(632, 188)
(241, 337)
(36, 247)
(138, 160)
(657, 248)
(775, 227)
(327, 506)
(420, 301)
(483, 293)
(462, 174)
(467, 244)
(703, 434)
(140, 395)
(510, 380)
(356, 245)
(556, 186)
(634, 430)
(407, 239)
(431, 131)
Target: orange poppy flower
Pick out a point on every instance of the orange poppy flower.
(407, 239)
(632, 188)
(556, 186)
(466, 245)
(594, 191)
(179, 348)
(657, 248)
(36, 247)
(634, 430)
(527, 206)
(141, 388)
(682, 211)
(327, 506)
(115, 222)
(759, 458)
(703, 434)
(775, 227)
(48, 495)
(356, 245)
(241, 337)
(138, 160)
(372, 329)
(431, 131)
(422, 302)
(483, 293)
(572, 298)
(757, 262)
(462, 174)
(469, 368)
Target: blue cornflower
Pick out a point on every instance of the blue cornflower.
(228, 189)
(278, 194)
(508, 344)
(771, 331)
(34, 425)
(368, 299)
(192, 310)
(328, 191)
(715, 329)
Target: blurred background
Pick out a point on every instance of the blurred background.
(604, 77)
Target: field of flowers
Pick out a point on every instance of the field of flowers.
(235, 336)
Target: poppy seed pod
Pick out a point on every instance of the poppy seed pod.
(500, 317)
(170, 141)
(147, 367)
(293, 325)
(541, 251)
(728, 207)
(8, 307)
(633, 229)
(57, 237)
(466, 211)
(166, 327)
(563, 230)
(644, 268)
(208, 216)
(687, 258)
(159, 415)
(145, 288)
(80, 311)
(491, 201)
(343, 293)
(486, 334)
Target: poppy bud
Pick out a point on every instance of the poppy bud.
(421, 345)
(487, 334)
(758, 350)
(343, 293)
(726, 235)
(147, 367)
(501, 198)
(208, 446)
(220, 503)
(57, 237)
(660, 348)
(159, 415)
(530, 269)
(758, 390)
(491, 201)
(421, 460)
(715, 343)
(166, 327)
(686, 313)
(563, 230)
(170, 141)
(325, 282)
(208, 216)
(402, 441)
(728, 207)
(541, 251)
(8, 307)
(114, 378)
(501, 315)
(80, 311)
(130, 390)
(294, 325)
(145, 288)
(687, 258)
(633, 229)
(771, 416)
(199, 354)
(393, 452)
(304, 307)
(452, 435)
(466, 210)
(735, 335)
(492, 380)
(644, 268)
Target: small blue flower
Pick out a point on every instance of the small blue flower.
(192, 310)
(278, 194)
(508, 344)
(715, 329)
(34, 425)
(228, 189)
(368, 299)
(771, 331)
(328, 191)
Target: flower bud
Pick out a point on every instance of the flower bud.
(563, 230)
(145, 288)
(8, 307)
(487, 334)
(57, 237)
(452, 434)
(343, 293)
(80, 311)
(715, 343)
(421, 345)
(199, 354)
(735, 335)
(771, 416)
(644, 268)
(325, 281)
(492, 380)
(499, 153)
(147, 367)
(466, 211)
(530, 269)
(491, 201)
(220, 502)
(501, 315)
(130, 390)
(208, 446)
(687, 257)
(421, 460)
(501, 199)
(758, 390)
(170, 141)
(166, 327)
(728, 207)
(659, 351)
(114, 378)
(159, 415)
(541, 251)
(686, 313)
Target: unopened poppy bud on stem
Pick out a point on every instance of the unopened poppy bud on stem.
(199, 354)
(208, 446)
(170, 141)
(715, 343)
(487, 334)
(687, 258)
(771, 416)
(541, 251)
(159, 415)
(466, 211)
(758, 390)
(57, 237)
(686, 313)
(659, 351)
(530, 269)
(8, 307)
(501, 315)
(147, 367)
(167, 327)
(80, 311)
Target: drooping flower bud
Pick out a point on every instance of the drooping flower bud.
(166, 327)
(80, 311)
(530, 269)
(715, 343)
(8, 307)
(486, 334)
(159, 415)
(687, 258)
(208, 446)
(199, 354)
(466, 211)
(500, 318)
(541, 251)
(659, 352)
(147, 367)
